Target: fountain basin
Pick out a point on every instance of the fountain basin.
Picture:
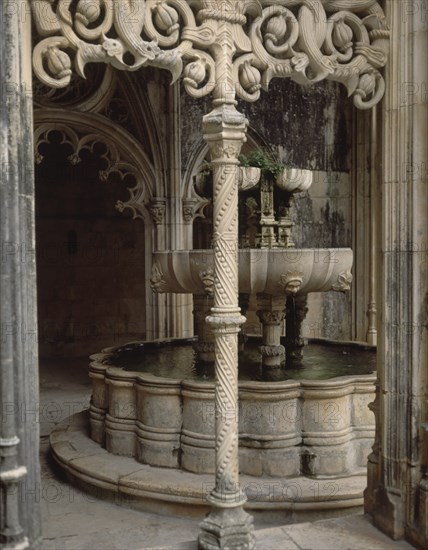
(289, 428)
(261, 270)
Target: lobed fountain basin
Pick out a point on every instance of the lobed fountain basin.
(261, 270)
(288, 428)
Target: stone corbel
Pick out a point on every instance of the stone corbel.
(207, 278)
(157, 210)
(193, 208)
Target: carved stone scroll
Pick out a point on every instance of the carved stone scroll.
(344, 41)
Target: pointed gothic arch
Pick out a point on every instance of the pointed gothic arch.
(123, 156)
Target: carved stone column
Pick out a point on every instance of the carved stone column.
(204, 347)
(19, 421)
(271, 314)
(296, 310)
(227, 525)
(371, 336)
(399, 486)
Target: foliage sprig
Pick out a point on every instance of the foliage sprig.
(263, 159)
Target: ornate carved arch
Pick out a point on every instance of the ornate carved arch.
(123, 155)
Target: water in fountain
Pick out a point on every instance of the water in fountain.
(178, 360)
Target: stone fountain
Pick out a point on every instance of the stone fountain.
(291, 430)
(276, 272)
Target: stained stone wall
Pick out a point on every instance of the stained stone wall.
(304, 127)
(397, 493)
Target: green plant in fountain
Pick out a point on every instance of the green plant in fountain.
(263, 159)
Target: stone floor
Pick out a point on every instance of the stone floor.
(73, 519)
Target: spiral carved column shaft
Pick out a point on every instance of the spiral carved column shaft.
(225, 133)
(227, 525)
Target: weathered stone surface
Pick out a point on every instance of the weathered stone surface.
(290, 428)
(167, 490)
(19, 428)
(397, 494)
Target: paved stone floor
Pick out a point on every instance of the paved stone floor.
(74, 520)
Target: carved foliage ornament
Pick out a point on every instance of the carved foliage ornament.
(307, 41)
(157, 210)
(157, 280)
(343, 282)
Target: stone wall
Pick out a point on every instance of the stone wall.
(304, 127)
(90, 259)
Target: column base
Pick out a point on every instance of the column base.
(388, 513)
(227, 529)
(372, 483)
(422, 527)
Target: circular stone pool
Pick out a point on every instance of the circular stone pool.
(152, 401)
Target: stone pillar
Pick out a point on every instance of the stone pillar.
(204, 347)
(295, 313)
(178, 233)
(271, 314)
(227, 525)
(399, 485)
(364, 188)
(19, 422)
(371, 336)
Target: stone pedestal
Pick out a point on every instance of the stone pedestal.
(227, 528)
(271, 314)
(204, 347)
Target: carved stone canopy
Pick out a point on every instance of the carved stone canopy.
(307, 41)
